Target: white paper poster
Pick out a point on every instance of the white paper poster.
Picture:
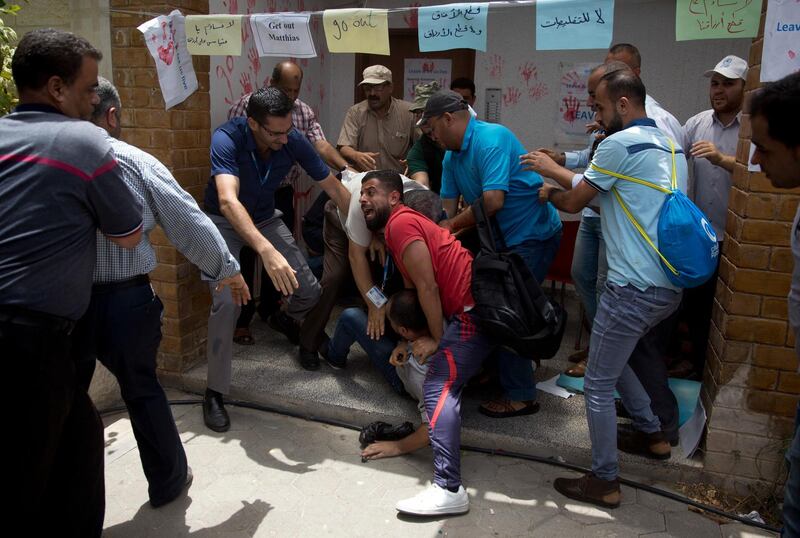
(283, 34)
(781, 54)
(419, 70)
(573, 111)
(166, 40)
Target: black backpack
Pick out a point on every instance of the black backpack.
(510, 306)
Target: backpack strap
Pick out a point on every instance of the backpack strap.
(485, 235)
(642, 232)
(673, 179)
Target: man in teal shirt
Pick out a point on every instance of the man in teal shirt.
(638, 294)
(483, 160)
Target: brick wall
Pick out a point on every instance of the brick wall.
(179, 138)
(751, 386)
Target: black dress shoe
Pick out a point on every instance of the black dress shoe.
(214, 414)
(308, 359)
(285, 325)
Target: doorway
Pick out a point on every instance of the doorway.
(404, 44)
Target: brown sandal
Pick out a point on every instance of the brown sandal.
(579, 370)
(508, 410)
(243, 337)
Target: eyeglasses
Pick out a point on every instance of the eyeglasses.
(276, 134)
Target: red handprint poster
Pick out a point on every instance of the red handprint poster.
(574, 114)
(166, 41)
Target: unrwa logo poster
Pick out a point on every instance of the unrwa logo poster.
(574, 112)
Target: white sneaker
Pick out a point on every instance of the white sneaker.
(435, 501)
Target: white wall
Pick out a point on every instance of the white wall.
(672, 71)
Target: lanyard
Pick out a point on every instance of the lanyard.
(258, 173)
(387, 266)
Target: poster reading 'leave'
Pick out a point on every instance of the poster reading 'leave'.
(219, 35)
(454, 26)
(781, 55)
(574, 24)
(714, 19)
(166, 41)
(357, 30)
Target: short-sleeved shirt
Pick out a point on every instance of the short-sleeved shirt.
(452, 263)
(391, 136)
(641, 150)
(489, 160)
(354, 224)
(303, 119)
(710, 184)
(234, 152)
(59, 183)
(427, 156)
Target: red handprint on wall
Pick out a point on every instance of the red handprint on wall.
(494, 66)
(537, 91)
(255, 61)
(528, 71)
(511, 96)
(246, 82)
(571, 107)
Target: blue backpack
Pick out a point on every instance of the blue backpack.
(687, 244)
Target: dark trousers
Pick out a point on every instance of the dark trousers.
(270, 298)
(335, 275)
(122, 328)
(697, 306)
(55, 460)
(648, 364)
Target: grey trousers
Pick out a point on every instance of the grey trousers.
(224, 312)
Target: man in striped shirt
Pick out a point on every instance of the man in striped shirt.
(122, 327)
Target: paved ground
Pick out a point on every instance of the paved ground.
(272, 475)
(268, 373)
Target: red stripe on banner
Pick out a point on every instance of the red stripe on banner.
(451, 363)
(52, 163)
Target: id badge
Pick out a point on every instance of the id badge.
(376, 296)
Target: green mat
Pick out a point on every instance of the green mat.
(685, 391)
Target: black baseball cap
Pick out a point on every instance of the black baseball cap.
(441, 102)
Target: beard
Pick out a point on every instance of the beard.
(614, 126)
(380, 216)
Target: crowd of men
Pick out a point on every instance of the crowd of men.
(78, 205)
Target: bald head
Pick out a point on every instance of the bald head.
(627, 54)
(287, 77)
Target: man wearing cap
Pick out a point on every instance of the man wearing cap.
(712, 136)
(426, 156)
(377, 132)
(483, 161)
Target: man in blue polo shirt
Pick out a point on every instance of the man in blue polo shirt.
(638, 294)
(249, 159)
(483, 160)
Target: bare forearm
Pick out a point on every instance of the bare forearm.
(432, 307)
(563, 177)
(237, 215)
(360, 267)
(728, 162)
(415, 441)
(565, 201)
(329, 154)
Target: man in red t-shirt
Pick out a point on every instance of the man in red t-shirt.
(433, 262)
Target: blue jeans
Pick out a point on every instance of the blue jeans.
(516, 373)
(624, 316)
(791, 497)
(589, 264)
(352, 327)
